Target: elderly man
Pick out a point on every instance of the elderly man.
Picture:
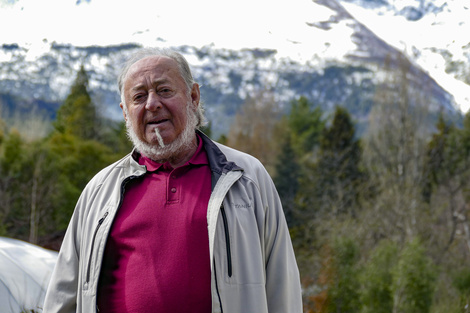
(182, 224)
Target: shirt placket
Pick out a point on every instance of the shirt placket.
(174, 184)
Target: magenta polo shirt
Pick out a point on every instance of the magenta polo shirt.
(157, 254)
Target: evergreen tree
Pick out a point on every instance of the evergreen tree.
(437, 156)
(286, 180)
(77, 115)
(334, 180)
(299, 134)
(447, 187)
(461, 281)
(342, 273)
(113, 134)
(78, 161)
(304, 124)
(413, 280)
(43, 189)
(11, 166)
(377, 279)
(339, 172)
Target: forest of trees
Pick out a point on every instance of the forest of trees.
(379, 222)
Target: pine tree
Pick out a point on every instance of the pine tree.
(377, 278)
(287, 180)
(305, 125)
(298, 134)
(11, 165)
(334, 180)
(461, 281)
(342, 277)
(78, 160)
(436, 156)
(77, 115)
(413, 280)
(447, 184)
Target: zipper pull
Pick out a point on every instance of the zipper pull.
(102, 219)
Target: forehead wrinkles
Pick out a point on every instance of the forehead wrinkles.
(152, 71)
(152, 83)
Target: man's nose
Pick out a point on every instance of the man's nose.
(153, 101)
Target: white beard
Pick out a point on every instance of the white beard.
(160, 152)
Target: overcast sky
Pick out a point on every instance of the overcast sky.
(230, 24)
(235, 24)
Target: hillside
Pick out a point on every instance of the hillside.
(344, 69)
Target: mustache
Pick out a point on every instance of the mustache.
(160, 151)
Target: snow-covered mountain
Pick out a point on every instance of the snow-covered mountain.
(433, 33)
(335, 57)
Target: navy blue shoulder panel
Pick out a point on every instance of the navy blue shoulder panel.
(217, 160)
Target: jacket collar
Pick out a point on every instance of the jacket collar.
(217, 160)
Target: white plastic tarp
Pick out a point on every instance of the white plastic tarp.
(25, 270)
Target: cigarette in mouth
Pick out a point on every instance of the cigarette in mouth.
(159, 138)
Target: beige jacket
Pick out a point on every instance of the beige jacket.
(253, 264)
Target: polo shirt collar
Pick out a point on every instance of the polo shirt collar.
(198, 158)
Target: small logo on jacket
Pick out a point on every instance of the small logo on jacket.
(241, 205)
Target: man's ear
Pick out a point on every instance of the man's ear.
(195, 95)
(121, 105)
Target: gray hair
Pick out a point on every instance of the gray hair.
(183, 67)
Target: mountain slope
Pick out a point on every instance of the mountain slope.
(430, 32)
(341, 61)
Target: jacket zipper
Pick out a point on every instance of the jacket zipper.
(101, 220)
(227, 241)
(217, 289)
(123, 187)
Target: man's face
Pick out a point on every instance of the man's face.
(156, 97)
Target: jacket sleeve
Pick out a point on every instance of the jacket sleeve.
(61, 293)
(283, 287)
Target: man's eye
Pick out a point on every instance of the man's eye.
(165, 92)
(138, 97)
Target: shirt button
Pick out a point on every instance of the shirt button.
(173, 190)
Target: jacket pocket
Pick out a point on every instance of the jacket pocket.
(227, 241)
(100, 222)
(239, 247)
